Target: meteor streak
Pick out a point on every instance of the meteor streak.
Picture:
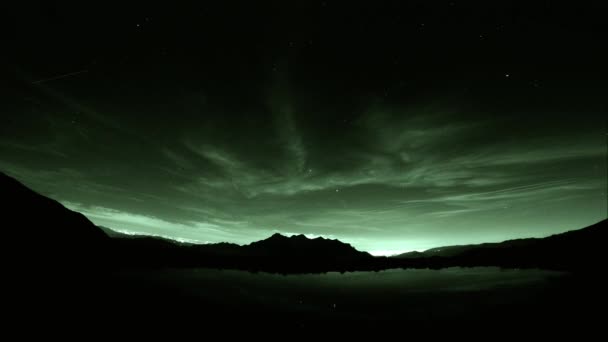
(60, 76)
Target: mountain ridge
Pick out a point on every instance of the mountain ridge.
(454, 250)
(44, 227)
(55, 235)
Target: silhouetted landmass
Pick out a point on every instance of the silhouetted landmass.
(573, 250)
(56, 235)
(70, 273)
(278, 253)
(44, 232)
(447, 251)
(115, 234)
(579, 250)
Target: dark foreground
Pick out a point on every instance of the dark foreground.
(416, 301)
(64, 274)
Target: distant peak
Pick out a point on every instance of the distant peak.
(300, 238)
(289, 237)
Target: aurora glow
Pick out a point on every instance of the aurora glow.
(306, 133)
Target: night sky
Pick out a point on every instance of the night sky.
(393, 126)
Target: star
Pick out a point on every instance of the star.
(507, 75)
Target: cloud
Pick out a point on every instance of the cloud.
(289, 135)
(178, 160)
(401, 169)
(45, 148)
(200, 232)
(389, 179)
(505, 155)
(528, 191)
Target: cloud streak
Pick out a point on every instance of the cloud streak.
(383, 178)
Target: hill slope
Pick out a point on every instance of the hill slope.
(42, 227)
(46, 233)
(577, 249)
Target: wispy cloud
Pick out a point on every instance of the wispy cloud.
(179, 160)
(39, 149)
(391, 179)
(122, 221)
(288, 132)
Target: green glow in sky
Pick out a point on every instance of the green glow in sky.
(393, 180)
(214, 122)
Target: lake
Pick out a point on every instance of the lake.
(415, 298)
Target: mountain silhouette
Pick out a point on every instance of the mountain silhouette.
(573, 250)
(45, 233)
(43, 228)
(301, 246)
(115, 234)
(278, 253)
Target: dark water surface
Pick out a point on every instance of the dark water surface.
(395, 298)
